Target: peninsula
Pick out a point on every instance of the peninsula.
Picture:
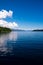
(4, 30)
(38, 30)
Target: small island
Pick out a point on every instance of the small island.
(38, 30)
(4, 30)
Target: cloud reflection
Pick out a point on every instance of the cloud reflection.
(5, 42)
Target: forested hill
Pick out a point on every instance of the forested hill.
(4, 30)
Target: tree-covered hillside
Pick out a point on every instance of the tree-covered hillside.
(4, 30)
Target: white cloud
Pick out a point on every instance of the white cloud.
(11, 25)
(4, 14)
(3, 23)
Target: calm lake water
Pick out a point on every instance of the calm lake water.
(23, 46)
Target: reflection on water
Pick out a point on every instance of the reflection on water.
(21, 44)
(5, 43)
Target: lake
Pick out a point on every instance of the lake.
(21, 47)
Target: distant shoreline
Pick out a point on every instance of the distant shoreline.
(7, 30)
(38, 30)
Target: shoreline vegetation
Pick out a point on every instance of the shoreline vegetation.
(4, 30)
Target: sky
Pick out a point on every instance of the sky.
(24, 14)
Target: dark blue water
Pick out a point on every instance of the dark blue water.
(22, 46)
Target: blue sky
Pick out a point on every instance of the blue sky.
(28, 14)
